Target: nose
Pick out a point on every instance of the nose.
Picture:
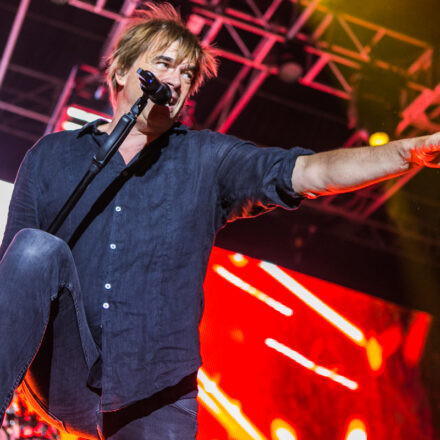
(173, 79)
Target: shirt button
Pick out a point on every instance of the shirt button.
(118, 209)
(106, 306)
(112, 246)
(108, 286)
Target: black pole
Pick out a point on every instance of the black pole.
(100, 160)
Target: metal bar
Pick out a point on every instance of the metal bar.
(242, 102)
(271, 10)
(35, 74)
(344, 83)
(259, 54)
(255, 9)
(23, 112)
(126, 10)
(302, 19)
(390, 192)
(326, 89)
(375, 40)
(34, 95)
(389, 32)
(238, 41)
(333, 57)
(315, 69)
(91, 8)
(426, 57)
(246, 61)
(237, 23)
(250, 19)
(18, 133)
(322, 27)
(12, 39)
(213, 31)
(62, 99)
(100, 5)
(263, 48)
(354, 39)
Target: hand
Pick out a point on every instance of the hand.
(425, 150)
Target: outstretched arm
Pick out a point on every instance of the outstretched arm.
(347, 169)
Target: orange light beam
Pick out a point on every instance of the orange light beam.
(243, 285)
(337, 320)
(219, 399)
(310, 365)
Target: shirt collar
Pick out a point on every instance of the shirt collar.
(92, 127)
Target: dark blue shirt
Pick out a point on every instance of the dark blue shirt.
(141, 236)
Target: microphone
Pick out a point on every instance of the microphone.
(157, 91)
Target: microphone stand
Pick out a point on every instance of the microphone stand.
(100, 159)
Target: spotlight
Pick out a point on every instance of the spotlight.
(290, 62)
(290, 72)
(378, 138)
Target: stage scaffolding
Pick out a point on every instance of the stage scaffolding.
(359, 44)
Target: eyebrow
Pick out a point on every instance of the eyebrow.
(163, 58)
(171, 60)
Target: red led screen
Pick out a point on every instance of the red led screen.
(289, 356)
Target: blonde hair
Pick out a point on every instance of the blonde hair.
(152, 30)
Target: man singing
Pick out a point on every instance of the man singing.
(100, 324)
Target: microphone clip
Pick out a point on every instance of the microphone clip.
(157, 91)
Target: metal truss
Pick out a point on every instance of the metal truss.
(359, 44)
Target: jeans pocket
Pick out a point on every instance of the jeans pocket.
(187, 405)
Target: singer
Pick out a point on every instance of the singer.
(107, 312)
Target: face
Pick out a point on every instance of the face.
(164, 65)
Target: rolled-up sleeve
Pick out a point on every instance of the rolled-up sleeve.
(253, 179)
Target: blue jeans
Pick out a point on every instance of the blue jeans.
(47, 347)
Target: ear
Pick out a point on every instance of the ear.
(120, 77)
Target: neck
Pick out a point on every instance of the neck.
(137, 139)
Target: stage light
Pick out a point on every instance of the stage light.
(310, 365)
(281, 430)
(84, 115)
(284, 434)
(74, 117)
(67, 125)
(374, 354)
(378, 138)
(346, 327)
(291, 59)
(243, 285)
(356, 430)
(239, 260)
(290, 72)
